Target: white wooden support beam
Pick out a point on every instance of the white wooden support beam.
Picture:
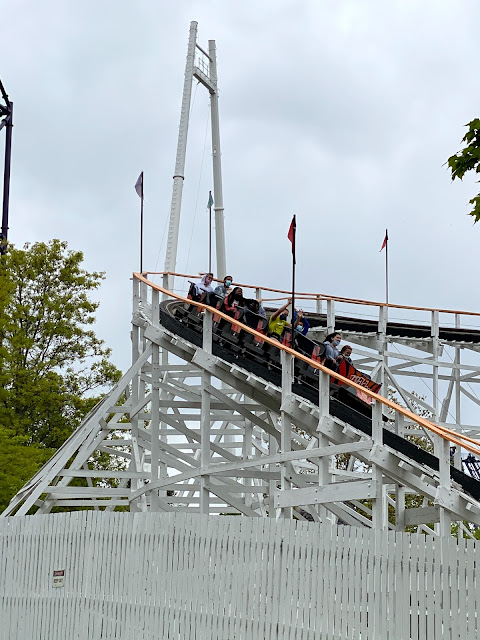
(458, 412)
(272, 485)
(205, 423)
(444, 528)
(286, 425)
(422, 515)
(330, 316)
(324, 475)
(383, 346)
(335, 492)
(155, 409)
(246, 455)
(379, 508)
(137, 339)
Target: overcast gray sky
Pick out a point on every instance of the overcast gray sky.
(341, 112)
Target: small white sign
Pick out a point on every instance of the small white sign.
(59, 578)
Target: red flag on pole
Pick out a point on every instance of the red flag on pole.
(385, 240)
(291, 235)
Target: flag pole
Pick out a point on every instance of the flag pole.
(210, 202)
(294, 228)
(386, 266)
(141, 229)
(139, 190)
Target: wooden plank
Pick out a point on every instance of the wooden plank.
(361, 574)
(421, 515)
(422, 587)
(334, 492)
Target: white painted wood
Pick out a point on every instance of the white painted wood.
(335, 492)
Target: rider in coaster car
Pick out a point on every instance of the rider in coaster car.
(255, 307)
(302, 325)
(224, 289)
(205, 284)
(345, 353)
(234, 300)
(332, 353)
(278, 321)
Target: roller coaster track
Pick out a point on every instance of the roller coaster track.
(272, 451)
(338, 408)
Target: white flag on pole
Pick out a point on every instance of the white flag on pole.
(139, 185)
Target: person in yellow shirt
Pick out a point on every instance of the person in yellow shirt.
(278, 321)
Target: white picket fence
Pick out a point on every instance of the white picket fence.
(186, 576)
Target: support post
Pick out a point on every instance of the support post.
(379, 508)
(438, 441)
(330, 316)
(324, 476)
(399, 488)
(435, 353)
(458, 414)
(135, 393)
(444, 526)
(205, 422)
(272, 484)
(217, 166)
(286, 427)
(178, 178)
(246, 454)
(155, 408)
(383, 344)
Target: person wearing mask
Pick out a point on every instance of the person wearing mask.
(331, 352)
(223, 290)
(233, 300)
(205, 284)
(345, 353)
(278, 321)
(302, 325)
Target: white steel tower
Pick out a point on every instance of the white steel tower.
(203, 67)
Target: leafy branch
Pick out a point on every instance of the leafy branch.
(468, 159)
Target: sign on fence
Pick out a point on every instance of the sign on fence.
(59, 578)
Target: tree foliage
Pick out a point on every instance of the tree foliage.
(468, 159)
(52, 365)
(18, 463)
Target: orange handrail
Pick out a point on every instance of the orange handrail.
(447, 434)
(323, 296)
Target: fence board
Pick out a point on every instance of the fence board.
(188, 576)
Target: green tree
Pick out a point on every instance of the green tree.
(52, 365)
(468, 159)
(18, 463)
